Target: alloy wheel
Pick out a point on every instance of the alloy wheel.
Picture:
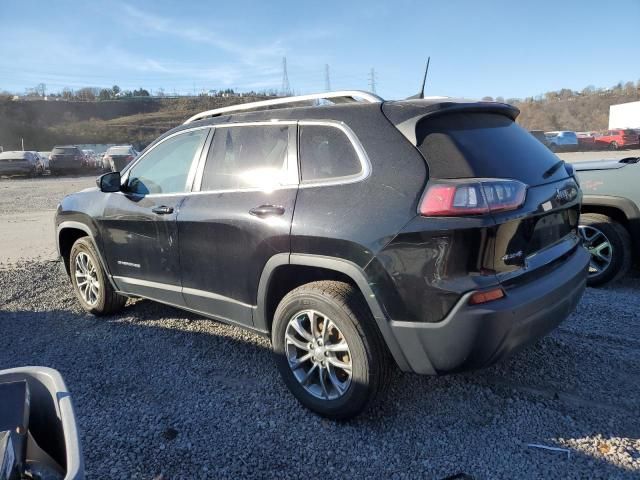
(87, 278)
(599, 248)
(318, 355)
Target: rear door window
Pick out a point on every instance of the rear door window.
(247, 157)
(484, 145)
(326, 153)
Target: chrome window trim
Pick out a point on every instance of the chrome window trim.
(192, 169)
(292, 174)
(293, 159)
(365, 163)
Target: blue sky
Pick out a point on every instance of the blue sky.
(477, 48)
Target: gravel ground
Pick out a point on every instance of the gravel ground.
(20, 194)
(161, 392)
(597, 155)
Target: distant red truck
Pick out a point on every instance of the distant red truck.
(618, 138)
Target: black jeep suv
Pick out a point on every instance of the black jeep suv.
(434, 234)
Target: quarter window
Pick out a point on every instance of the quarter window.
(165, 168)
(326, 153)
(248, 156)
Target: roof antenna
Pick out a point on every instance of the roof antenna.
(420, 95)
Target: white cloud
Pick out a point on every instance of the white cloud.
(247, 54)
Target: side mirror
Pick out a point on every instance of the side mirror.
(109, 182)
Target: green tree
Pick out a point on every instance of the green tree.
(105, 94)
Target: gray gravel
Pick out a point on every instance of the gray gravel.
(20, 194)
(159, 391)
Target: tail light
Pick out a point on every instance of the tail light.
(129, 158)
(453, 198)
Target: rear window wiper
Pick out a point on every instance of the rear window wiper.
(554, 168)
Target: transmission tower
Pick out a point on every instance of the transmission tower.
(327, 80)
(372, 80)
(286, 87)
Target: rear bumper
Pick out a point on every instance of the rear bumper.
(64, 166)
(471, 337)
(16, 168)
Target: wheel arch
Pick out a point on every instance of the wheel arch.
(271, 290)
(621, 209)
(67, 233)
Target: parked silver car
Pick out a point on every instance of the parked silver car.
(119, 157)
(562, 141)
(21, 163)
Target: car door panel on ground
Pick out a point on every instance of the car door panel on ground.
(139, 224)
(239, 219)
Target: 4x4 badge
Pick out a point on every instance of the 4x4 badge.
(512, 256)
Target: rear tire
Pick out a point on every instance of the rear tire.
(90, 283)
(351, 338)
(609, 245)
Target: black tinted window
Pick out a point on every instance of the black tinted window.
(483, 145)
(247, 157)
(65, 151)
(164, 169)
(326, 152)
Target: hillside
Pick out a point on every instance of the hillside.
(43, 124)
(577, 111)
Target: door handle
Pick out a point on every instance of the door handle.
(162, 210)
(267, 210)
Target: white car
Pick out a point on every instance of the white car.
(44, 156)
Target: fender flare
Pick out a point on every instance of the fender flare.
(626, 206)
(71, 224)
(340, 265)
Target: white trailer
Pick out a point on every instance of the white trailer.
(624, 115)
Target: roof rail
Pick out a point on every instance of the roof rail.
(342, 96)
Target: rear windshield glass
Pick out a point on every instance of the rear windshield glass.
(15, 155)
(119, 151)
(483, 145)
(64, 151)
(628, 132)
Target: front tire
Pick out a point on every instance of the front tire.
(90, 283)
(609, 245)
(328, 349)
(613, 146)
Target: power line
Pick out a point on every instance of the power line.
(372, 80)
(286, 87)
(327, 80)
